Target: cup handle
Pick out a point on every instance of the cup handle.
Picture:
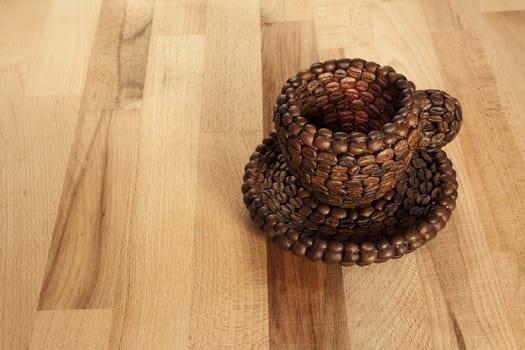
(442, 119)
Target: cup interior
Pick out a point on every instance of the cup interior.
(352, 99)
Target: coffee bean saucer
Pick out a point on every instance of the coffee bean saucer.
(401, 221)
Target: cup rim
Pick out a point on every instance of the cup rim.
(405, 87)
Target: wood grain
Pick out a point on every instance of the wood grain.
(296, 287)
(125, 127)
(85, 329)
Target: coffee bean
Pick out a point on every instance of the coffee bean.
(426, 187)
(283, 242)
(368, 258)
(298, 249)
(339, 213)
(366, 160)
(357, 148)
(368, 76)
(343, 63)
(385, 155)
(357, 105)
(322, 143)
(401, 147)
(370, 169)
(340, 74)
(340, 146)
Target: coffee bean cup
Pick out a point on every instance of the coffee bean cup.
(349, 128)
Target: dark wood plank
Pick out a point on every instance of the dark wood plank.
(306, 299)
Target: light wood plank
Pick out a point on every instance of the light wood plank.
(407, 46)
(36, 132)
(501, 5)
(344, 24)
(72, 329)
(117, 67)
(229, 302)
(95, 213)
(153, 304)
(180, 17)
(62, 56)
(21, 25)
(232, 88)
(273, 11)
(406, 321)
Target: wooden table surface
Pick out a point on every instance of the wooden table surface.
(125, 127)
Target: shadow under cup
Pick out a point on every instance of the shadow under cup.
(348, 129)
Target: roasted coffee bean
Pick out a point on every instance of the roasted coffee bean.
(378, 216)
(385, 155)
(309, 152)
(357, 148)
(368, 258)
(401, 147)
(366, 160)
(426, 187)
(357, 105)
(343, 63)
(390, 139)
(283, 242)
(361, 85)
(322, 143)
(368, 76)
(298, 249)
(346, 161)
(366, 212)
(339, 213)
(317, 68)
(348, 83)
(369, 169)
(306, 138)
(340, 74)
(354, 72)
(351, 93)
(423, 199)
(340, 146)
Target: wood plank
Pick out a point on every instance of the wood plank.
(85, 255)
(232, 88)
(117, 68)
(399, 311)
(400, 281)
(479, 173)
(229, 302)
(62, 56)
(21, 25)
(281, 62)
(155, 290)
(35, 155)
(344, 24)
(36, 132)
(273, 11)
(472, 287)
(297, 287)
(82, 233)
(181, 17)
(405, 45)
(501, 5)
(306, 303)
(85, 329)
